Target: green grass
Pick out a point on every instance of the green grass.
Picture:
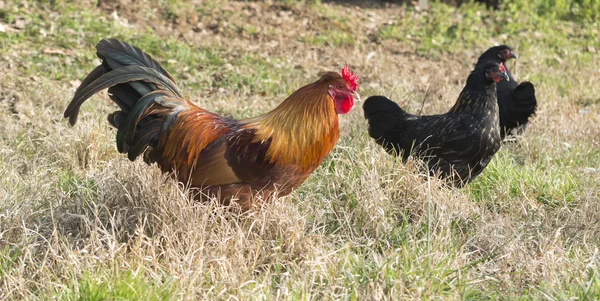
(548, 183)
(122, 286)
(81, 222)
(455, 29)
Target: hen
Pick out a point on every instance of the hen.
(456, 145)
(516, 102)
(235, 160)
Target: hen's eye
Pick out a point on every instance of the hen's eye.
(340, 86)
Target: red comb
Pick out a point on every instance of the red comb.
(502, 68)
(350, 78)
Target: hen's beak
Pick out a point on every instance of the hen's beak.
(513, 55)
(504, 76)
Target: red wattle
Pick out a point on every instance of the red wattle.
(343, 106)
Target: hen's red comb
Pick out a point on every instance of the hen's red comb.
(502, 68)
(350, 78)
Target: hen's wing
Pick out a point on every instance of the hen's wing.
(455, 145)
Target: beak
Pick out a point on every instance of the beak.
(513, 55)
(504, 76)
(356, 96)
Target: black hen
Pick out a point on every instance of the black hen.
(516, 102)
(457, 145)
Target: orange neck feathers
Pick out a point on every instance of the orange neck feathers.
(303, 129)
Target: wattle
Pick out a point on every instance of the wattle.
(343, 106)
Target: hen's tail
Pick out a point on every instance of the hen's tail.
(522, 107)
(146, 94)
(382, 115)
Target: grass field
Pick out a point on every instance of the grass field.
(78, 221)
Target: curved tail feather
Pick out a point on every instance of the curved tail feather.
(148, 97)
(118, 54)
(120, 76)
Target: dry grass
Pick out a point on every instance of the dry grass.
(79, 221)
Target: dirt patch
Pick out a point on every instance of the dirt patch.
(10, 98)
(253, 22)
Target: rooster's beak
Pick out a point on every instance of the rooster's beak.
(356, 96)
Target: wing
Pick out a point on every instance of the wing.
(247, 158)
(207, 149)
(193, 144)
(456, 144)
(237, 166)
(409, 134)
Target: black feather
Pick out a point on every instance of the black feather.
(116, 118)
(124, 96)
(118, 54)
(143, 138)
(126, 132)
(384, 116)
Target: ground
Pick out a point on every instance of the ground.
(79, 221)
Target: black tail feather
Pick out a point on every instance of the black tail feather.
(143, 137)
(124, 96)
(118, 54)
(382, 114)
(126, 133)
(140, 79)
(117, 118)
(137, 84)
(524, 102)
(516, 113)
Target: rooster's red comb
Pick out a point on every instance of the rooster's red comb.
(350, 78)
(502, 68)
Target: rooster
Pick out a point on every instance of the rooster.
(456, 145)
(248, 161)
(516, 102)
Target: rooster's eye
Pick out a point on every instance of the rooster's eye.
(340, 86)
